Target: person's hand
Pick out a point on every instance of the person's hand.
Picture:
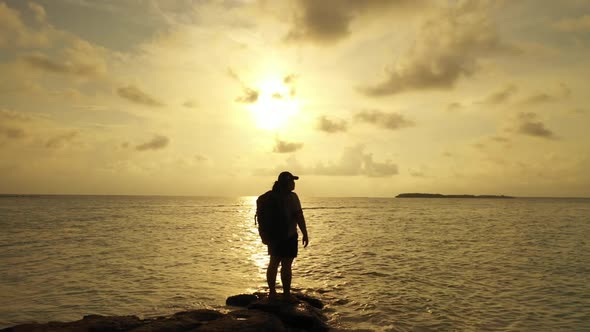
(305, 241)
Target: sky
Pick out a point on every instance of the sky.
(359, 98)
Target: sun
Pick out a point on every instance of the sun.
(275, 106)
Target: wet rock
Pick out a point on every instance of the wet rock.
(245, 320)
(94, 323)
(241, 300)
(180, 321)
(300, 315)
(258, 314)
(311, 300)
(200, 315)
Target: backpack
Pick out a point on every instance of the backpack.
(270, 218)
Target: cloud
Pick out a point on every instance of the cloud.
(578, 111)
(14, 33)
(190, 104)
(544, 97)
(501, 96)
(329, 21)
(286, 147)
(11, 124)
(249, 95)
(417, 173)
(231, 73)
(156, 143)
(447, 48)
(200, 158)
(479, 146)
(42, 62)
(13, 116)
(39, 11)
(573, 24)
(376, 169)
(62, 140)
(289, 81)
(355, 161)
(529, 125)
(134, 94)
(500, 139)
(11, 132)
(391, 121)
(539, 98)
(331, 126)
(455, 106)
(74, 55)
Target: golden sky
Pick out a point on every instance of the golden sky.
(358, 98)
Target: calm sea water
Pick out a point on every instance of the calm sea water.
(380, 264)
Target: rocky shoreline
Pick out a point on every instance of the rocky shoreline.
(246, 312)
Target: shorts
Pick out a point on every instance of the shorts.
(286, 248)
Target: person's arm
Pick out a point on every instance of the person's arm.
(301, 223)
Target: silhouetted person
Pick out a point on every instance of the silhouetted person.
(283, 250)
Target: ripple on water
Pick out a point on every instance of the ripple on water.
(380, 264)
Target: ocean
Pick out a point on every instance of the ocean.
(380, 264)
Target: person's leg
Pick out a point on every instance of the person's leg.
(286, 274)
(271, 274)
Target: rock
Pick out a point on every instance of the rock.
(313, 301)
(94, 323)
(241, 300)
(259, 314)
(245, 321)
(200, 315)
(180, 321)
(300, 315)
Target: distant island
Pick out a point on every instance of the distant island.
(422, 195)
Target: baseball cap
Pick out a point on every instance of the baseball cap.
(287, 176)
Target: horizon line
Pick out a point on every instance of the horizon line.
(234, 196)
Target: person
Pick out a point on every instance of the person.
(283, 250)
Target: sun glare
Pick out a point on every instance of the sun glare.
(275, 106)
